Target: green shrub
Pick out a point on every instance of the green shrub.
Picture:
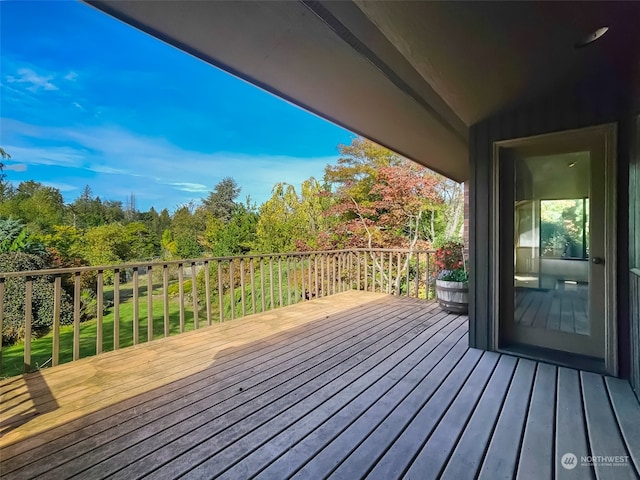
(13, 324)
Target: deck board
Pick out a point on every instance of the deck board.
(356, 385)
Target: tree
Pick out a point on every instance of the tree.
(278, 226)
(236, 237)
(187, 228)
(15, 237)
(3, 184)
(42, 297)
(39, 206)
(221, 201)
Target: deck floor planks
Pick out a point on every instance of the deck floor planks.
(435, 452)
(501, 459)
(338, 411)
(367, 453)
(134, 444)
(536, 455)
(178, 390)
(398, 457)
(352, 376)
(78, 391)
(627, 412)
(467, 457)
(604, 434)
(571, 436)
(322, 450)
(409, 379)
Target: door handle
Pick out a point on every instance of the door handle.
(598, 260)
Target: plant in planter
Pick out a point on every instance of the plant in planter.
(452, 287)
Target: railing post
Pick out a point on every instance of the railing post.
(418, 276)
(181, 295)
(57, 297)
(399, 270)
(272, 286)
(28, 315)
(149, 303)
(252, 272)
(220, 293)
(100, 307)
(136, 308)
(294, 258)
(242, 287)
(280, 280)
(207, 290)
(165, 299)
(116, 308)
(232, 287)
(315, 271)
(408, 282)
(76, 316)
(194, 297)
(263, 301)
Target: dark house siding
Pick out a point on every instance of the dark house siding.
(596, 101)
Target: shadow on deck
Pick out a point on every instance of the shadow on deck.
(349, 386)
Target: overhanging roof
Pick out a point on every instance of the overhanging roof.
(409, 75)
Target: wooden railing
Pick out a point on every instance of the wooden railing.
(89, 310)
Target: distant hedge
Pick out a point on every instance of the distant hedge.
(13, 323)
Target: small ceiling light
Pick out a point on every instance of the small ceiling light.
(592, 37)
(572, 164)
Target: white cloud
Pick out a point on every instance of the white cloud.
(33, 80)
(63, 187)
(190, 187)
(122, 162)
(16, 167)
(71, 76)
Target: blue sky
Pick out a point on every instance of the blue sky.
(85, 99)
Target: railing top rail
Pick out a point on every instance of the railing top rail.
(134, 265)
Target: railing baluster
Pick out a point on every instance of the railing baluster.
(232, 287)
(309, 283)
(252, 272)
(149, 303)
(294, 260)
(340, 280)
(427, 274)
(194, 297)
(242, 287)
(280, 280)
(288, 265)
(28, 315)
(418, 276)
(207, 290)
(181, 295)
(263, 301)
(76, 315)
(315, 270)
(165, 299)
(323, 262)
(116, 308)
(408, 283)
(399, 266)
(99, 306)
(57, 298)
(136, 308)
(333, 273)
(272, 297)
(366, 271)
(220, 293)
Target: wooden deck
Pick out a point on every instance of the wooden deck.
(350, 386)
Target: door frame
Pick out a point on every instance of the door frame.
(608, 132)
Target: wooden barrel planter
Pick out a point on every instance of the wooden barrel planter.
(453, 297)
